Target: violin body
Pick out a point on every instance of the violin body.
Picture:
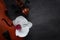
(7, 29)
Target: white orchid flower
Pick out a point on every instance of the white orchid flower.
(25, 26)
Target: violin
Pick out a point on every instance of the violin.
(7, 29)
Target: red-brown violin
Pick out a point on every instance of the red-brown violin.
(7, 29)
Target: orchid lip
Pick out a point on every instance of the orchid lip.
(18, 27)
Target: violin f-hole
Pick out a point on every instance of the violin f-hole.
(7, 22)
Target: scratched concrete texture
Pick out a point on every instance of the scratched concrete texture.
(45, 16)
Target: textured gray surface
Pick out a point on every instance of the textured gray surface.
(45, 16)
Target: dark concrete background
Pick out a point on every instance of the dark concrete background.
(45, 16)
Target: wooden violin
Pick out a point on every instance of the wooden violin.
(7, 29)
